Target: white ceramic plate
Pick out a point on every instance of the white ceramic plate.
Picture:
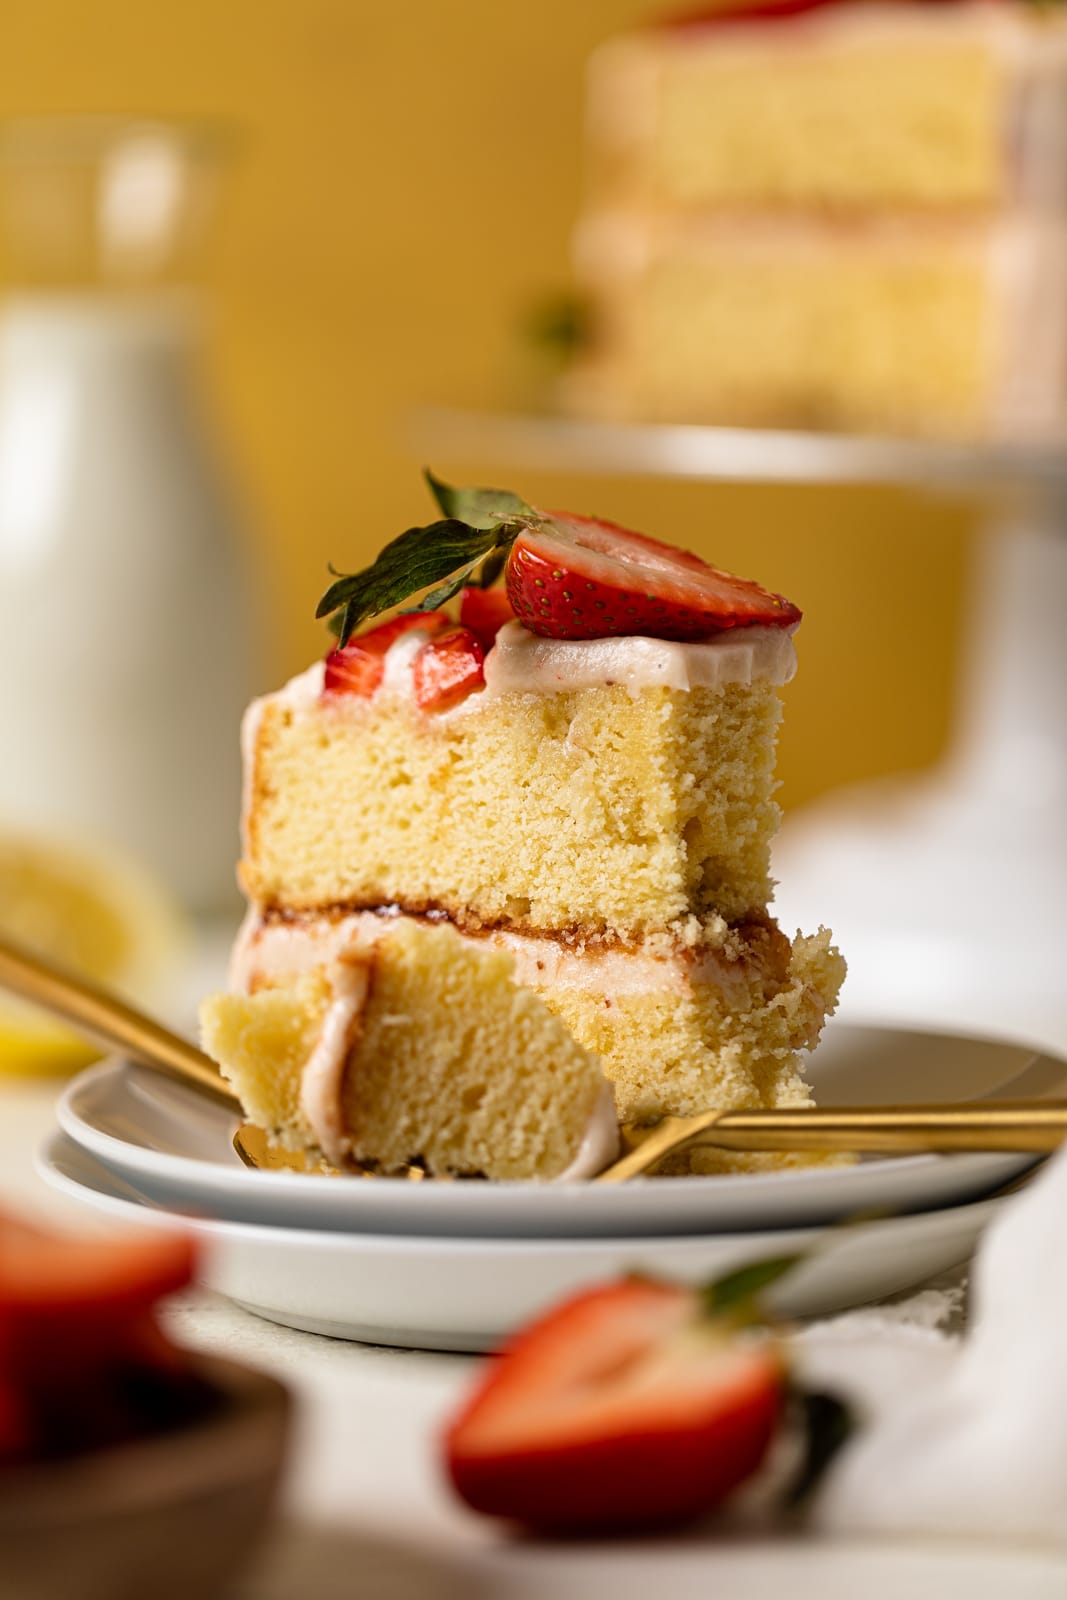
(466, 1294)
(176, 1148)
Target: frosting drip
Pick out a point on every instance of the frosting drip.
(323, 1080)
(600, 1146)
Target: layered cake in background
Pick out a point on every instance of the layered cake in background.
(579, 774)
(839, 215)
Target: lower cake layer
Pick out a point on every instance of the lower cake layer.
(416, 1046)
(677, 1030)
(955, 329)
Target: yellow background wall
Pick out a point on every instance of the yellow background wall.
(409, 176)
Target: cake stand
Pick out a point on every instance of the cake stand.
(946, 892)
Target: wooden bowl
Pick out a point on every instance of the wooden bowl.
(167, 1516)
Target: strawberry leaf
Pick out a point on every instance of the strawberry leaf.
(494, 564)
(737, 1290)
(479, 525)
(418, 558)
(449, 589)
(479, 508)
(828, 1422)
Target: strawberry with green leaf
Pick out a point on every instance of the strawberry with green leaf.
(566, 576)
(469, 545)
(631, 1406)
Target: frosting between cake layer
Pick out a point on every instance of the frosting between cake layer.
(270, 950)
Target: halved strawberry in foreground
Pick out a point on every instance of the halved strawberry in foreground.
(581, 578)
(447, 669)
(627, 1407)
(69, 1301)
(359, 666)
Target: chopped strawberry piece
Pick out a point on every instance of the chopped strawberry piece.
(626, 1407)
(359, 666)
(354, 670)
(582, 578)
(387, 633)
(484, 612)
(447, 669)
(747, 11)
(60, 1295)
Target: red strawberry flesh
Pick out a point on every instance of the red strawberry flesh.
(485, 612)
(582, 578)
(447, 669)
(359, 666)
(56, 1291)
(753, 11)
(621, 1409)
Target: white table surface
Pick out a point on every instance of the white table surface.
(365, 1511)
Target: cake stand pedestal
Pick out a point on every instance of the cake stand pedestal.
(946, 892)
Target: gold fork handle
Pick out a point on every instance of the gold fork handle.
(105, 1019)
(1037, 1126)
(1007, 1125)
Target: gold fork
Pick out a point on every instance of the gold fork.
(1038, 1126)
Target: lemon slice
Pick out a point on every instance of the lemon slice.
(92, 912)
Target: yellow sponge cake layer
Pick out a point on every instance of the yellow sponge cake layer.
(953, 329)
(443, 1059)
(849, 107)
(729, 1040)
(610, 810)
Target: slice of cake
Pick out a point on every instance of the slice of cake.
(843, 106)
(416, 1046)
(580, 774)
(831, 214)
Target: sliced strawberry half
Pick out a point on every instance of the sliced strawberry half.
(447, 669)
(626, 1407)
(484, 612)
(359, 666)
(581, 578)
(64, 1298)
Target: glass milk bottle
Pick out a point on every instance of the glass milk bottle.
(125, 632)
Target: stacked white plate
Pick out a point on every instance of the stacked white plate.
(455, 1266)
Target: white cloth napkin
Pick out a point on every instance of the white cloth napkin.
(961, 1436)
